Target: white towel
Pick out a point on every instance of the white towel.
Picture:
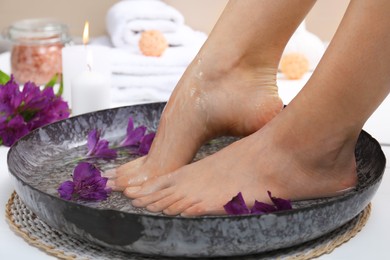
(160, 83)
(306, 43)
(147, 70)
(128, 18)
(183, 36)
(137, 78)
(133, 89)
(172, 56)
(137, 95)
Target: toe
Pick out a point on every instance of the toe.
(111, 173)
(164, 203)
(202, 208)
(131, 192)
(113, 185)
(155, 184)
(117, 184)
(124, 181)
(149, 199)
(178, 207)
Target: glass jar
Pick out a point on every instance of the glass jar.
(36, 50)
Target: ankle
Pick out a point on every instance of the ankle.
(231, 71)
(213, 63)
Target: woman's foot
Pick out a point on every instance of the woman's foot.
(276, 158)
(230, 87)
(204, 105)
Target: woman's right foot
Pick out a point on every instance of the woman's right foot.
(204, 105)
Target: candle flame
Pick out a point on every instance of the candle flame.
(86, 33)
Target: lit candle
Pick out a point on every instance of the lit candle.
(74, 62)
(90, 90)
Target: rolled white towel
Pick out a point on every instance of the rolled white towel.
(180, 56)
(183, 36)
(131, 62)
(172, 57)
(128, 18)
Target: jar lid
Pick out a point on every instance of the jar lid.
(37, 31)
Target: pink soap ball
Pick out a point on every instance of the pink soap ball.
(152, 43)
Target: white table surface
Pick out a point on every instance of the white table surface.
(370, 243)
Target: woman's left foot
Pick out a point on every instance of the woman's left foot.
(270, 159)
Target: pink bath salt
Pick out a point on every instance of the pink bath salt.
(37, 63)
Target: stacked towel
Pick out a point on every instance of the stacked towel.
(143, 78)
(139, 78)
(306, 43)
(127, 19)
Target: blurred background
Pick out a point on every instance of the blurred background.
(147, 73)
(199, 14)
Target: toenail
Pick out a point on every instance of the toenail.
(151, 208)
(111, 184)
(131, 190)
(168, 212)
(136, 203)
(109, 173)
(184, 215)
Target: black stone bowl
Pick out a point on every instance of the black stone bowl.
(40, 161)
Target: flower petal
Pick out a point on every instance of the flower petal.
(66, 190)
(146, 143)
(134, 137)
(13, 130)
(83, 171)
(35, 99)
(262, 208)
(10, 97)
(130, 126)
(236, 206)
(102, 150)
(99, 148)
(280, 204)
(93, 139)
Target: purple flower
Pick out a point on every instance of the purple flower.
(133, 136)
(10, 97)
(87, 184)
(136, 139)
(12, 130)
(237, 206)
(55, 110)
(99, 148)
(34, 99)
(29, 109)
(146, 143)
